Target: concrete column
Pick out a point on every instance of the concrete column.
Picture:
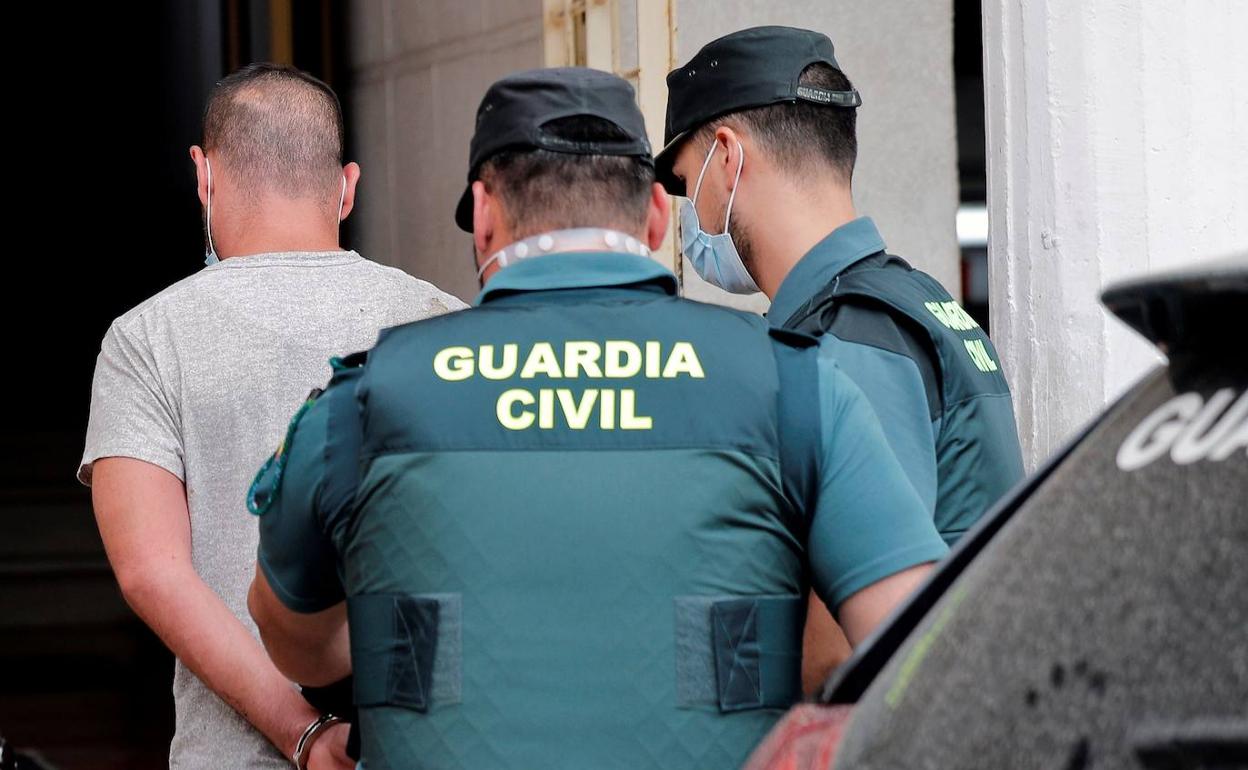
(1117, 135)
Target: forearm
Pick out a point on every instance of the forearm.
(824, 646)
(202, 632)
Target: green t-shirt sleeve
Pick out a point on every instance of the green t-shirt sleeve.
(305, 503)
(893, 387)
(868, 522)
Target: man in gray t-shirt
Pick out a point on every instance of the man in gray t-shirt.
(188, 391)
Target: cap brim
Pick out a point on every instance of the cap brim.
(665, 160)
(463, 210)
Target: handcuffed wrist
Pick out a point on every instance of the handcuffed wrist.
(303, 747)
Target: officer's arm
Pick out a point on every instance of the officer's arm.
(861, 613)
(310, 648)
(297, 598)
(894, 386)
(871, 537)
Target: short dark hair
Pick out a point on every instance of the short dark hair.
(794, 133)
(544, 190)
(278, 126)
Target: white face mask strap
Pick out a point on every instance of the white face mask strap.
(342, 198)
(733, 195)
(208, 208)
(698, 187)
(499, 256)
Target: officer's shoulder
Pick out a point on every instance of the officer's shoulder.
(345, 367)
(711, 312)
(878, 326)
(791, 338)
(266, 485)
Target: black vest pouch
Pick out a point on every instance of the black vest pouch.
(405, 649)
(739, 653)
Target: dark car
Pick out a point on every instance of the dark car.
(1097, 617)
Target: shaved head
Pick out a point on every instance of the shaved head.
(279, 129)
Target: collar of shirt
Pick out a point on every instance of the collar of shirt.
(578, 270)
(287, 258)
(828, 258)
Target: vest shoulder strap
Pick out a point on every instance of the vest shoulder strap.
(798, 415)
(344, 436)
(854, 308)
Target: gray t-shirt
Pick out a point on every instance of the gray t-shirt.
(201, 380)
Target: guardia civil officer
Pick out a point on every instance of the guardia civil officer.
(572, 527)
(761, 137)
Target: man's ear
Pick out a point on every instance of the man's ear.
(350, 172)
(484, 212)
(201, 173)
(658, 217)
(730, 142)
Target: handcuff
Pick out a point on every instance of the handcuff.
(303, 747)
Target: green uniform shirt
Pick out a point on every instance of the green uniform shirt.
(904, 341)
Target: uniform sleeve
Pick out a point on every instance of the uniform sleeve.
(894, 387)
(302, 496)
(868, 522)
(132, 411)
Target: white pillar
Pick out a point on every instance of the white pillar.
(1117, 144)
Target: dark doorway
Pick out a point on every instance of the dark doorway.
(102, 109)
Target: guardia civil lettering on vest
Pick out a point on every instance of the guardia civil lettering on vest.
(610, 359)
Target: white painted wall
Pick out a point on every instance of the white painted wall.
(420, 68)
(899, 55)
(1117, 144)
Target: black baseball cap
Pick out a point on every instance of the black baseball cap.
(751, 68)
(515, 110)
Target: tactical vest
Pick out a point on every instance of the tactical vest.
(571, 544)
(977, 452)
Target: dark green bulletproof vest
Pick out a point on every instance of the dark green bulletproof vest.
(977, 452)
(571, 545)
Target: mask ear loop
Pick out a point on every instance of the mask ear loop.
(343, 197)
(499, 256)
(733, 195)
(208, 214)
(698, 187)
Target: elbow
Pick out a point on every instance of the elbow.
(277, 641)
(256, 607)
(142, 587)
(310, 649)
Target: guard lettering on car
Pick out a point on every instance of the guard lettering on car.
(1189, 429)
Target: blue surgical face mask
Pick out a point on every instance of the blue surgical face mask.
(715, 257)
(210, 254)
